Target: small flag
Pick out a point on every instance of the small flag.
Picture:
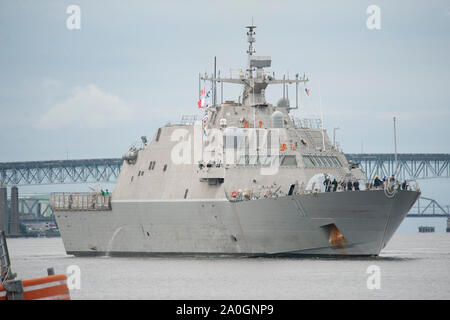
(200, 103)
(205, 118)
(307, 91)
(202, 92)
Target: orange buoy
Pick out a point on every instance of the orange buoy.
(283, 147)
(46, 288)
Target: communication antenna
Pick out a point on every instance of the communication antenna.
(395, 147)
(250, 39)
(214, 83)
(321, 116)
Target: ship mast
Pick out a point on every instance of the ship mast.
(255, 84)
(250, 51)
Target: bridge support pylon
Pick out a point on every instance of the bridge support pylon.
(3, 209)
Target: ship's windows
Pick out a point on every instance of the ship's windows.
(289, 160)
(333, 163)
(307, 161)
(266, 160)
(316, 161)
(132, 178)
(253, 160)
(165, 167)
(158, 134)
(327, 161)
(186, 193)
(152, 165)
(243, 160)
(311, 158)
(320, 161)
(338, 163)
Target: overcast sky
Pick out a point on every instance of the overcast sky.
(133, 66)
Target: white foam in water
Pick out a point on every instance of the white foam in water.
(111, 241)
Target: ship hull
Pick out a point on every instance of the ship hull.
(358, 223)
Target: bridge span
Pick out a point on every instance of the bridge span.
(409, 166)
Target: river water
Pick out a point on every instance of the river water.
(412, 266)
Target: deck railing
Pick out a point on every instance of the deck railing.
(80, 201)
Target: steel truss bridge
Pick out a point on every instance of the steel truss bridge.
(428, 208)
(409, 166)
(59, 171)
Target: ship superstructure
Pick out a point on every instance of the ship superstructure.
(245, 179)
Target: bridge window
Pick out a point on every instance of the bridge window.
(243, 160)
(336, 161)
(307, 161)
(265, 160)
(321, 161)
(289, 160)
(255, 160)
(165, 167)
(186, 193)
(328, 162)
(152, 165)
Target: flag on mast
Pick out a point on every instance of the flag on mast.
(203, 96)
(307, 91)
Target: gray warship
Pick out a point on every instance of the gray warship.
(246, 179)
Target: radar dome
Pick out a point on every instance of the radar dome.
(277, 119)
(283, 103)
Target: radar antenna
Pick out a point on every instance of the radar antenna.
(251, 39)
(254, 87)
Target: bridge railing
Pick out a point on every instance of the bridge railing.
(408, 166)
(80, 201)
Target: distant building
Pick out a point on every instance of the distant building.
(425, 229)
